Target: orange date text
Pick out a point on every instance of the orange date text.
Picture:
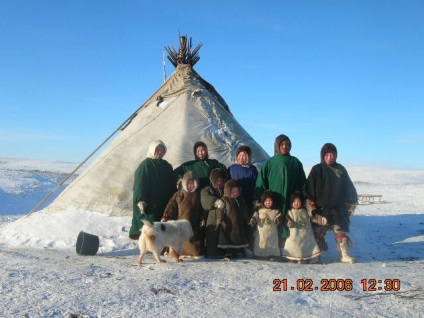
(335, 284)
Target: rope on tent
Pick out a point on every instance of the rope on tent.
(124, 124)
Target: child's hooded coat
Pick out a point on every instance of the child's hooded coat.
(234, 219)
(186, 205)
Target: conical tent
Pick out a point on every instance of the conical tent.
(184, 110)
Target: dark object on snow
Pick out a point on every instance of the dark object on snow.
(87, 244)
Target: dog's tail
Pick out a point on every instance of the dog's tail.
(149, 232)
(148, 228)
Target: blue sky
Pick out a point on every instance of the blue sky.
(348, 72)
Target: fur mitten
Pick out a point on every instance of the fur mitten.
(278, 219)
(219, 204)
(350, 208)
(254, 219)
(219, 224)
(319, 219)
(142, 205)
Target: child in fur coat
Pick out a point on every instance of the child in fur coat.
(300, 245)
(232, 221)
(185, 204)
(267, 219)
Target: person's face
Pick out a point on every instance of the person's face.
(242, 158)
(329, 158)
(219, 183)
(297, 204)
(235, 192)
(190, 185)
(159, 152)
(268, 203)
(201, 152)
(285, 147)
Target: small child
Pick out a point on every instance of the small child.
(232, 221)
(267, 219)
(185, 205)
(300, 245)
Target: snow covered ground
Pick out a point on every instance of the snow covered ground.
(42, 275)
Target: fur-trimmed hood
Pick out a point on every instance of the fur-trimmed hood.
(229, 185)
(269, 194)
(328, 148)
(296, 195)
(248, 152)
(216, 174)
(152, 148)
(189, 175)
(278, 142)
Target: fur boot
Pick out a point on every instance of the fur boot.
(343, 243)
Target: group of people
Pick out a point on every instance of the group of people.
(239, 211)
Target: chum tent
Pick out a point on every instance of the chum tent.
(184, 110)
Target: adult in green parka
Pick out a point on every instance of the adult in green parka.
(153, 187)
(201, 166)
(282, 174)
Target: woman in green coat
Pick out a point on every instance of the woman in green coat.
(153, 187)
(282, 174)
(201, 166)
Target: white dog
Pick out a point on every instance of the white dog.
(156, 236)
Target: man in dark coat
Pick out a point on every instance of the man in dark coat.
(332, 198)
(153, 187)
